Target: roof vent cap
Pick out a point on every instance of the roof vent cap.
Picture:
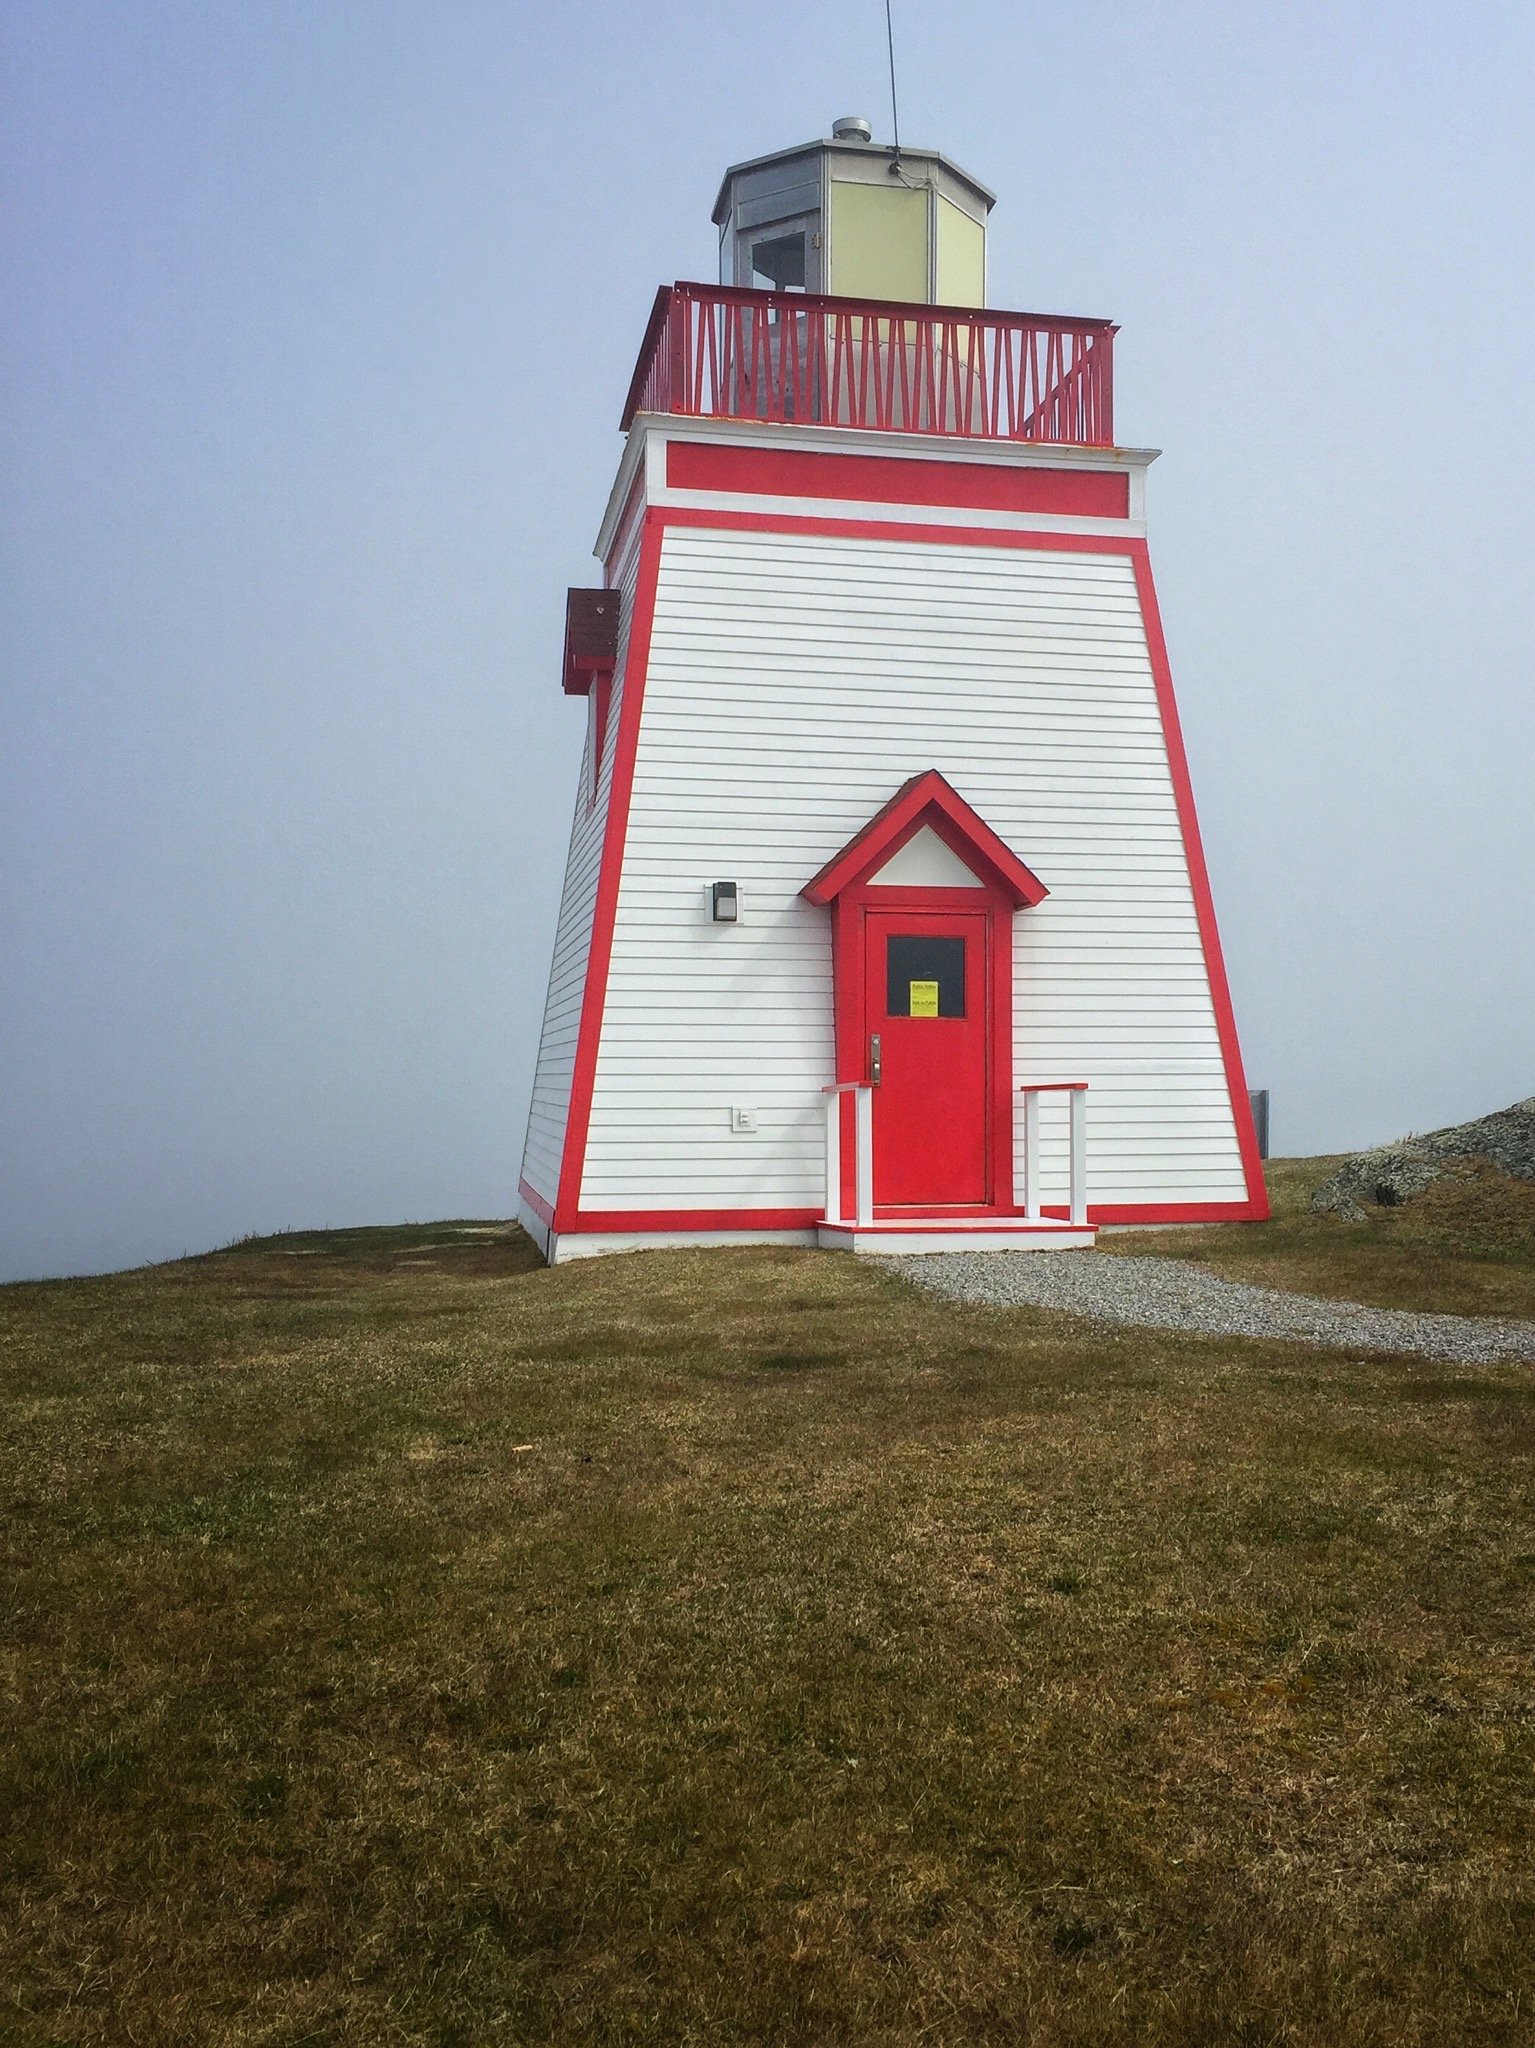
(852, 128)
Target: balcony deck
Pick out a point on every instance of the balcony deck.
(723, 352)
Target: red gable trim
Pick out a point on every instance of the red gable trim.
(927, 800)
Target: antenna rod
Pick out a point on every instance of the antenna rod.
(895, 118)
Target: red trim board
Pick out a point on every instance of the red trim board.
(543, 1210)
(605, 909)
(1199, 879)
(806, 1219)
(655, 523)
(990, 905)
(897, 479)
(693, 1219)
(705, 516)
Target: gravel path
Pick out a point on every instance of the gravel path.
(1171, 1294)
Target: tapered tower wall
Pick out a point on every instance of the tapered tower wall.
(549, 1108)
(800, 657)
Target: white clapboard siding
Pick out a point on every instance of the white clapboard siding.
(549, 1110)
(794, 682)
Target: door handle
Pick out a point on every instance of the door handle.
(876, 1060)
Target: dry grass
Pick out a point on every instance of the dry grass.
(410, 1645)
(1466, 1245)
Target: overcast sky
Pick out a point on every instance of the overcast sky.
(317, 326)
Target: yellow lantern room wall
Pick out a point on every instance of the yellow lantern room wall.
(879, 242)
(961, 256)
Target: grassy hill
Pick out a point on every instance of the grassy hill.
(408, 1644)
(1465, 1245)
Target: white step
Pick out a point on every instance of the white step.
(891, 1235)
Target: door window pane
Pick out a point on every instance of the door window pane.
(924, 977)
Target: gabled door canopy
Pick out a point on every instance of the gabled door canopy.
(927, 799)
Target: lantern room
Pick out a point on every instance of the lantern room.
(856, 219)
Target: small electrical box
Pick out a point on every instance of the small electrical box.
(743, 1119)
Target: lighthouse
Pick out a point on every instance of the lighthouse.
(885, 922)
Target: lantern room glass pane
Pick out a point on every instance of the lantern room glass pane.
(779, 261)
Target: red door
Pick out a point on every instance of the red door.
(926, 1006)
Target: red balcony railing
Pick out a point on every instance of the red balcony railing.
(722, 352)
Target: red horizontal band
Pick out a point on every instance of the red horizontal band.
(1098, 1214)
(692, 1219)
(898, 480)
(1102, 1213)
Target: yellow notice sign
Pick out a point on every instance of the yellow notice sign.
(924, 999)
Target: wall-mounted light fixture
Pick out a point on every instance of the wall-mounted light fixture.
(724, 903)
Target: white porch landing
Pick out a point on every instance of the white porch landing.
(892, 1235)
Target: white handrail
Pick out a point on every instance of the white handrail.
(863, 1151)
(1031, 1091)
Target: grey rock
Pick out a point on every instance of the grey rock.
(1393, 1174)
